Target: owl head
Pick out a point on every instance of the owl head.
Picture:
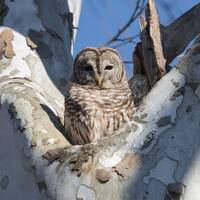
(99, 67)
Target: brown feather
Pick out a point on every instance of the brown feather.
(92, 112)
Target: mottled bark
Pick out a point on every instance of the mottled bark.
(35, 64)
(154, 157)
(160, 45)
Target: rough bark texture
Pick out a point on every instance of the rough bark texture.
(35, 64)
(180, 33)
(160, 45)
(148, 55)
(154, 157)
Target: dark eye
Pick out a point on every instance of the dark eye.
(88, 68)
(108, 67)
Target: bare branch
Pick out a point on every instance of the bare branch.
(180, 33)
(136, 13)
(149, 53)
(130, 38)
(128, 62)
(125, 41)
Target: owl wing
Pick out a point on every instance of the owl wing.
(83, 121)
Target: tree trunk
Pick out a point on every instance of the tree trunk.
(35, 64)
(154, 157)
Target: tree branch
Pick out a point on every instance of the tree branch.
(160, 45)
(136, 13)
(150, 57)
(180, 33)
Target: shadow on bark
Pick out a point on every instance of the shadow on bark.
(54, 119)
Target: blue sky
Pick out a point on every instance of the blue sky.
(101, 19)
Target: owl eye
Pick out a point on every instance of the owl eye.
(109, 67)
(88, 68)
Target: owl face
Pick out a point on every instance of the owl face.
(99, 67)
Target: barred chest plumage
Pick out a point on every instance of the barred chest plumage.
(92, 113)
(99, 100)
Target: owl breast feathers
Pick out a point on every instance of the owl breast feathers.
(99, 100)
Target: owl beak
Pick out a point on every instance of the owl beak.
(99, 81)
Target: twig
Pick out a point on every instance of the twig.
(136, 13)
(129, 38)
(125, 41)
(128, 62)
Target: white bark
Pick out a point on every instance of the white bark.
(32, 83)
(165, 138)
(142, 161)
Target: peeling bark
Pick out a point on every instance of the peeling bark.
(145, 156)
(154, 157)
(33, 74)
(149, 52)
(6, 47)
(160, 45)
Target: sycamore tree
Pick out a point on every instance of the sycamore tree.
(154, 157)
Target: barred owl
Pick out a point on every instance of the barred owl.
(99, 100)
